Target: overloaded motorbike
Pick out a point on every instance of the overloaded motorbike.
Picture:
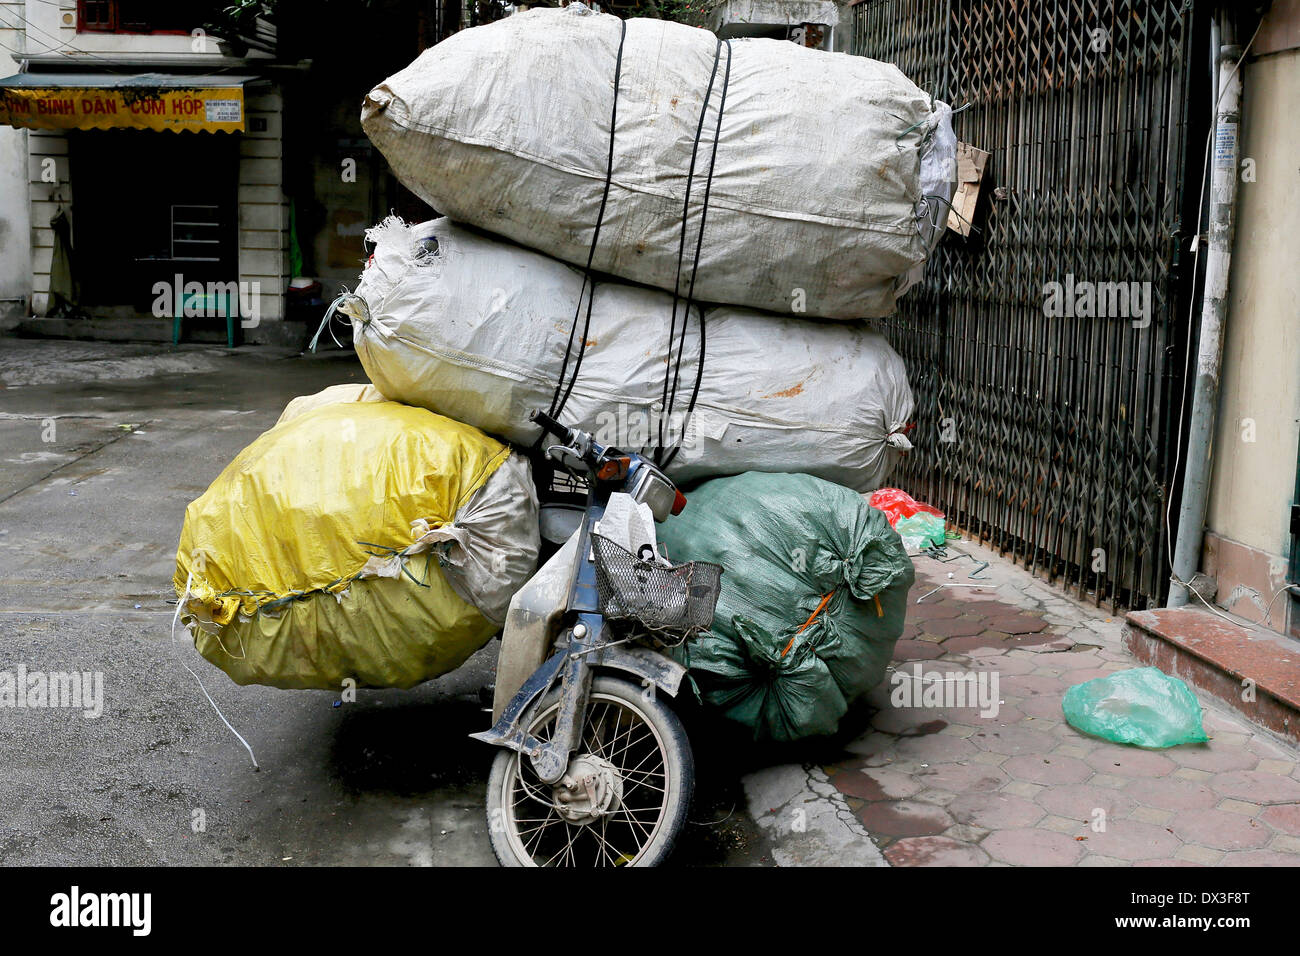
(595, 768)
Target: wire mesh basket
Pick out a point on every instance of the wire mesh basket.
(679, 598)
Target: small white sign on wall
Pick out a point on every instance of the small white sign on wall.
(224, 111)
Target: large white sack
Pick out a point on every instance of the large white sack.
(476, 331)
(816, 194)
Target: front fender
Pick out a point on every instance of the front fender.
(510, 730)
(662, 671)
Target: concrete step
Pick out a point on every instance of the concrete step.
(204, 331)
(1252, 670)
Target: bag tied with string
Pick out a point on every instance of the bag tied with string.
(813, 601)
(475, 329)
(357, 539)
(829, 178)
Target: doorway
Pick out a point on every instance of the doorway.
(149, 205)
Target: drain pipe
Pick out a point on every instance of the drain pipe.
(1214, 310)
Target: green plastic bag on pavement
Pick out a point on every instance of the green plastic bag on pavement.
(813, 599)
(1142, 706)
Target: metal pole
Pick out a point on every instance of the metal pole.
(1214, 309)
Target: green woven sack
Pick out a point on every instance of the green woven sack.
(813, 599)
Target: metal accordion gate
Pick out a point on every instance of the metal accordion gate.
(1044, 430)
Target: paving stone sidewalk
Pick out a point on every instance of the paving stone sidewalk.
(947, 786)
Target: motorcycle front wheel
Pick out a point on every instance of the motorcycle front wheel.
(623, 801)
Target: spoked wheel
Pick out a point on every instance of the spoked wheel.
(623, 799)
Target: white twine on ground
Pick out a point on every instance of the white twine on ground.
(180, 602)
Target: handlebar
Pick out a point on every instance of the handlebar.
(609, 465)
(549, 424)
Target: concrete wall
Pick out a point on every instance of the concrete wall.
(742, 18)
(47, 150)
(1254, 468)
(263, 208)
(15, 238)
(53, 30)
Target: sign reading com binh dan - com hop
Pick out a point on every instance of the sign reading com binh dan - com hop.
(200, 110)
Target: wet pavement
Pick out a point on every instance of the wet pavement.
(102, 447)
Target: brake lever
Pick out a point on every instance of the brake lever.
(562, 454)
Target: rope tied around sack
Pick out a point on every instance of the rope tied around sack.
(880, 612)
(672, 374)
(811, 617)
(662, 459)
(562, 392)
(343, 298)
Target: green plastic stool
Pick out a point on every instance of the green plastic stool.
(207, 300)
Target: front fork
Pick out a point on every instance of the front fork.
(572, 664)
(551, 759)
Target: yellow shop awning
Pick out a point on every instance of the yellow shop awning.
(209, 103)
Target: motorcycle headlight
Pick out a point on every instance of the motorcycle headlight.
(651, 488)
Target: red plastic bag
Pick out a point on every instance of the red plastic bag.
(896, 503)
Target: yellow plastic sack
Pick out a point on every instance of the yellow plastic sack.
(348, 392)
(275, 552)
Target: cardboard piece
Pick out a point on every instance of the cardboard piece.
(970, 172)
